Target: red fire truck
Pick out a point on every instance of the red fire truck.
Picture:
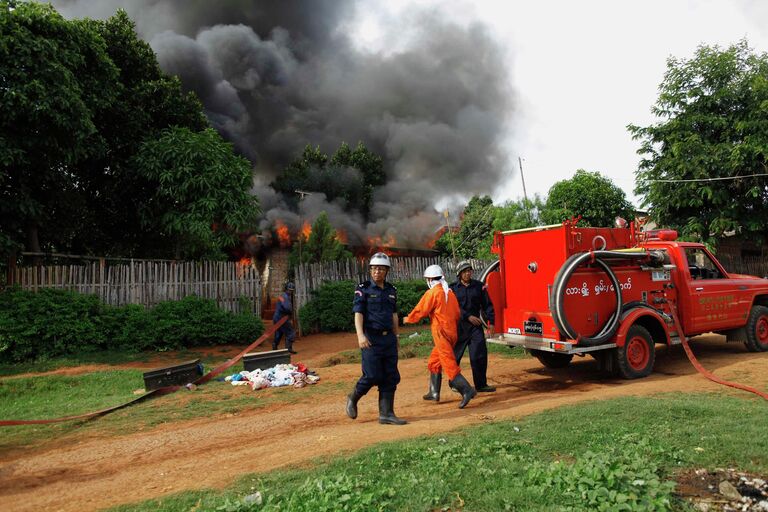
(614, 293)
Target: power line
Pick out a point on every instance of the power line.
(709, 179)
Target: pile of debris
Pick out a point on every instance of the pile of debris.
(724, 490)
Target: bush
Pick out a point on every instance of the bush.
(51, 323)
(330, 309)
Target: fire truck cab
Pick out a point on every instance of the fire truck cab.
(614, 293)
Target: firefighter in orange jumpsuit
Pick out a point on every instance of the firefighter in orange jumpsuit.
(440, 305)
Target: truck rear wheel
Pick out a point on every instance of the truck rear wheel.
(552, 359)
(757, 330)
(636, 358)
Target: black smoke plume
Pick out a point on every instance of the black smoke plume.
(276, 76)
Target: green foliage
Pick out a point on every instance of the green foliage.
(56, 78)
(349, 175)
(713, 123)
(481, 219)
(588, 194)
(624, 476)
(330, 309)
(78, 99)
(322, 245)
(408, 295)
(51, 323)
(201, 199)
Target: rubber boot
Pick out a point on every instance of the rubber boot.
(435, 382)
(352, 400)
(387, 409)
(466, 390)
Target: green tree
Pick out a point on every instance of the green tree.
(55, 76)
(147, 102)
(322, 245)
(518, 214)
(476, 224)
(348, 174)
(77, 99)
(713, 111)
(201, 198)
(588, 194)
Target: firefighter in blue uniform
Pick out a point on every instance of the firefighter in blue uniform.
(285, 308)
(473, 299)
(375, 309)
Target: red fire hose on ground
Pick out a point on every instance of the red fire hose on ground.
(160, 391)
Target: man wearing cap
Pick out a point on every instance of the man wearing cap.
(473, 299)
(285, 308)
(375, 309)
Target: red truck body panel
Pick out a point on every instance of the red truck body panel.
(693, 286)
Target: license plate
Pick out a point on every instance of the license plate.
(533, 327)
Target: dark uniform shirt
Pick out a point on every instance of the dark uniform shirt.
(473, 299)
(284, 307)
(376, 304)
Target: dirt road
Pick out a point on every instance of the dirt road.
(91, 473)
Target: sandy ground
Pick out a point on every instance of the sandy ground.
(85, 473)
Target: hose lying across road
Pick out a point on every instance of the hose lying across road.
(160, 391)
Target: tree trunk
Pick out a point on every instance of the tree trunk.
(33, 243)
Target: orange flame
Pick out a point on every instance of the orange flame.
(341, 236)
(244, 261)
(283, 235)
(306, 230)
(382, 242)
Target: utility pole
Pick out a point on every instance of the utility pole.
(450, 235)
(525, 194)
(302, 195)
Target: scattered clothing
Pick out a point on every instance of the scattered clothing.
(278, 376)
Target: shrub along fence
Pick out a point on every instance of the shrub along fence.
(310, 276)
(148, 282)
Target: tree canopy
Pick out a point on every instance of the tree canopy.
(322, 244)
(587, 194)
(201, 196)
(348, 174)
(702, 159)
(78, 101)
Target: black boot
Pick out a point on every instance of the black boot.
(274, 347)
(435, 382)
(386, 409)
(467, 391)
(352, 400)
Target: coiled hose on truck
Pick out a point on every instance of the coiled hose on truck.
(609, 329)
(561, 283)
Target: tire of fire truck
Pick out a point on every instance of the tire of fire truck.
(636, 358)
(552, 359)
(757, 330)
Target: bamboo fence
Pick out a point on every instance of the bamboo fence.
(149, 282)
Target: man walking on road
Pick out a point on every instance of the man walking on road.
(473, 299)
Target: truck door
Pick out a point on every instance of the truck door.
(714, 303)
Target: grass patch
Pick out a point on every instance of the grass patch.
(55, 396)
(619, 454)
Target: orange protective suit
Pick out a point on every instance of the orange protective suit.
(444, 317)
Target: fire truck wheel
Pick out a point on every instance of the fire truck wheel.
(552, 359)
(757, 330)
(635, 359)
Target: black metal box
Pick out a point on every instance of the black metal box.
(264, 360)
(176, 375)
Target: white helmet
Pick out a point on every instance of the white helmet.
(433, 271)
(380, 259)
